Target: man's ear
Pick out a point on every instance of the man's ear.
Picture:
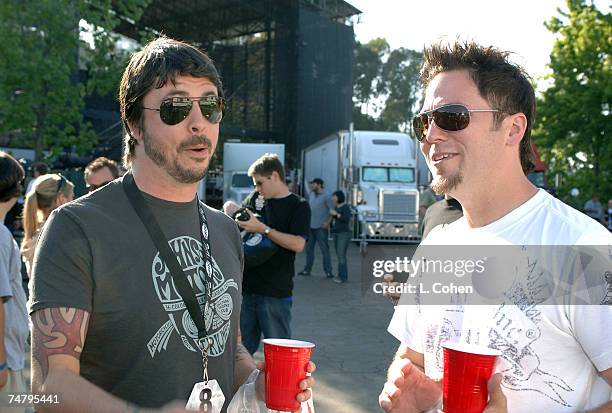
(518, 126)
(134, 130)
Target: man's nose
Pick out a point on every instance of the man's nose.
(197, 122)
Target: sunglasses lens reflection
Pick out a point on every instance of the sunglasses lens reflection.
(174, 111)
(451, 118)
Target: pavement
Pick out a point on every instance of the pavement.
(353, 349)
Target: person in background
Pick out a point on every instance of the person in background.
(13, 310)
(38, 169)
(99, 172)
(49, 192)
(320, 203)
(593, 208)
(426, 199)
(267, 289)
(341, 232)
(441, 212)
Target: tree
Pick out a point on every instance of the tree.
(41, 93)
(385, 82)
(400, 82)
(573, 125)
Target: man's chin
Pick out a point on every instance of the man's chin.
(189, 176)
(445, 184)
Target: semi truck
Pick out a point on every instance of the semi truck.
(378, 173)
(237, 158)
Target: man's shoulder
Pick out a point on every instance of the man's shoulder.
(292, 199)
(92, 208)
(217, 217)
(5, 234)
(575, 227)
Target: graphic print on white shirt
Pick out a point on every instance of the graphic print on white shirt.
(551, 354)
(218, 312)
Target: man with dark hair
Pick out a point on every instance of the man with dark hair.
(267, 295)
(474, 131)
(141, 319)
(13, 309)
(320, 203)
(99, 172)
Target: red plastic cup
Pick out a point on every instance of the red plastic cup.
(286, 364)
(467, 370)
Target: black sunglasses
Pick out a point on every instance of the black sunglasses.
(92, 187)
(451, 118)
(61, 182)
(173, 111)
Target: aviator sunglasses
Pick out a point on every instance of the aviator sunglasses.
(174, 110)
(451, 118)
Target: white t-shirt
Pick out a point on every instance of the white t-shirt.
(551, 354)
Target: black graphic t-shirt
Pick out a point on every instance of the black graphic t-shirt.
(290, 215)
(95, 254)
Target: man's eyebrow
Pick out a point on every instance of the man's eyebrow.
(182, 93)
(175, 93)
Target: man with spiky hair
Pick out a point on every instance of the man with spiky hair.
(474, 130)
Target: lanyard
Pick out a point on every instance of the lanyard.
(178, 276)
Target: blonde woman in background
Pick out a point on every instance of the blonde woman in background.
(49, 192)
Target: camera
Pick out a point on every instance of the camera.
(242, 215)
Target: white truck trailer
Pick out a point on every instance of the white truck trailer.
(378, 173)
(237, 158)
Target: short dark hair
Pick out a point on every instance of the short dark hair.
(318, 181)
(11, 175)
(266, 164)
(340, 196)
(160, 61)
(99, 163)
(504, 85)
(40, 167)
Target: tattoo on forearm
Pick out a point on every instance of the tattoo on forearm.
(58, 331)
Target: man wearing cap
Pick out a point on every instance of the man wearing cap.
(320, 203)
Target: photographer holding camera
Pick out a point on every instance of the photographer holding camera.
(267, 287)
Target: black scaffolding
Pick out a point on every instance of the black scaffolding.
(285, 64)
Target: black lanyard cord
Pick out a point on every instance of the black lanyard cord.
(161, 243)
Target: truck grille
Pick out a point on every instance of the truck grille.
(398, 207)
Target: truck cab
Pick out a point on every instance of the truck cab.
(383, 185)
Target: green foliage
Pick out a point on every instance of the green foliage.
(41, 95)
(573, 126)
(386, 82)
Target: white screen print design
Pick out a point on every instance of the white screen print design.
(217, 313)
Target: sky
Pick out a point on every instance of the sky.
(513, 25)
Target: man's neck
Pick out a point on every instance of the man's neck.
(281, 193)
(156, 182)
(492, 202)
(5, 207)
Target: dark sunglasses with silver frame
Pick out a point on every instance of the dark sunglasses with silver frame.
(173, 111)
(451, 118)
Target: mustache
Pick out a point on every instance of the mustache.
(195, 140)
